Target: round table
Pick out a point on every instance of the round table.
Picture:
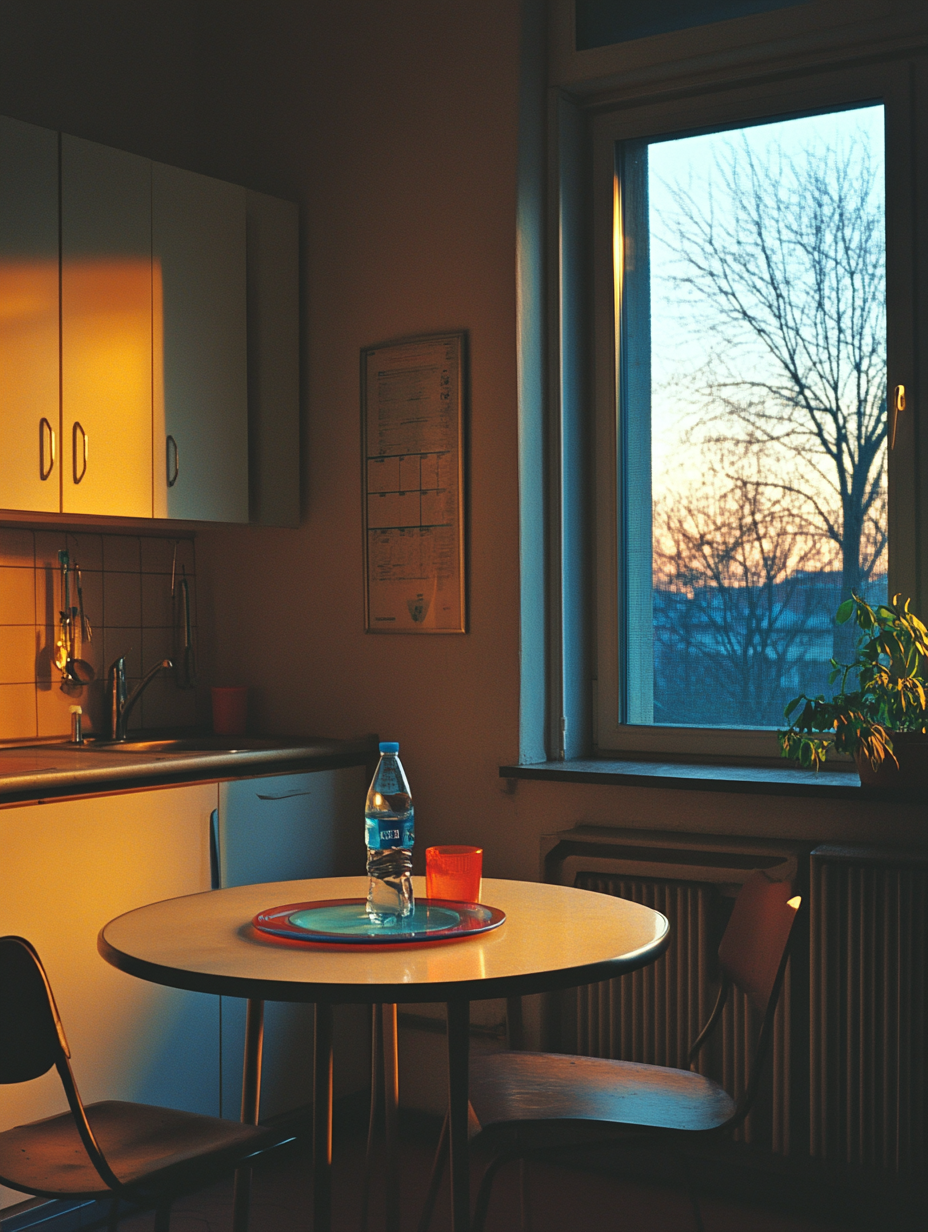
(553, 937)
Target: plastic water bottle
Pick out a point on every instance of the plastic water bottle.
(389, 832)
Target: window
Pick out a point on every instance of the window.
(751, 325)
(755, 313)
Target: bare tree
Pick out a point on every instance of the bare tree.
(784, 264)
(741, 589)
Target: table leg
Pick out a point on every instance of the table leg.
(458, 1081)
(391, 1099)
(376, 1066)
(515, 1030)
(322, 1120)
(251, 1070)
(251, 1104)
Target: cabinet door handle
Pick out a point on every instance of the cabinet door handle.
(46, 458)
(82, 452)
(172, 460)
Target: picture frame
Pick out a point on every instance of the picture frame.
(413, 406)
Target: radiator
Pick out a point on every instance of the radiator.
(653, 1015)
(869, 1027)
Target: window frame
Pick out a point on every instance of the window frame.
(898, 81)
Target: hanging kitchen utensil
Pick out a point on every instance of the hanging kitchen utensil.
(73, 669)
(63, 638)
(86, 629)
(186, 660)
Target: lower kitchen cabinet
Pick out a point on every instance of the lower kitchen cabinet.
(69, 866)
(276, 829)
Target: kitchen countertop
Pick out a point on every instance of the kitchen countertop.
(55, 770)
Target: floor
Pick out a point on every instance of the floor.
(562, 1200)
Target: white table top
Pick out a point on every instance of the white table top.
(553, 937)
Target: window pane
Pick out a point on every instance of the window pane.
(759, 255)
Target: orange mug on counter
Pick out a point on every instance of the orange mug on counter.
(454, 873)
(230, 710)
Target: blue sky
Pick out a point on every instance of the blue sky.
(679, 338)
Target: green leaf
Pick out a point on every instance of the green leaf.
(844, 612)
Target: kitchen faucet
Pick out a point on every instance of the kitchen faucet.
(119, 705)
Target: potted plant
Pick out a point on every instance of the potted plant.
(880, 714)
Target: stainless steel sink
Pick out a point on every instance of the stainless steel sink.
(187, 744)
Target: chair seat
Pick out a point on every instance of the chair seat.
(518, 1088)
(146, 1147)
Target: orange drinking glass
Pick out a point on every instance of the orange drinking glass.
(230, 710)
(454, 873)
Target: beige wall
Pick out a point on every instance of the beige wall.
(404, 159)
(395, 128)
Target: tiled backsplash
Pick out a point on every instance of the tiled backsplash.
(128, 602)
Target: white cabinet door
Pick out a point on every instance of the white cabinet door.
(29, 404)
(200, 373)
(67, 868)
(275, 829)
(174, 330)
(274, 358)
(106, 339)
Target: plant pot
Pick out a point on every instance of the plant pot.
(911, 750)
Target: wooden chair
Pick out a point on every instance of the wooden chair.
(532, 1104)
(136, 1152)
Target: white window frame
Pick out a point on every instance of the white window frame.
(794, 84)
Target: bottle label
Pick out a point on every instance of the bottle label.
(388, 830)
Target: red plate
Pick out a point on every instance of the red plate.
(344, 921)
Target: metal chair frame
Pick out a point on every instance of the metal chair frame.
(57, 1053)
(634, 1134)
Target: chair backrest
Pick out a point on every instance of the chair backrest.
(32, 1039)
(752, 953)
(31, 1036)
(753, 956)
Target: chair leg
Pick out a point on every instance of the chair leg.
(438, 1167)
(486, 1187)
(691, 1186)
(526, 1197)
(241, 1198)
(163, 1217)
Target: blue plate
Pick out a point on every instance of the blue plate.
(345, 921)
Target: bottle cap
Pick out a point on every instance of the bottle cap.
(389, 746)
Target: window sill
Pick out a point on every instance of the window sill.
(747, 780)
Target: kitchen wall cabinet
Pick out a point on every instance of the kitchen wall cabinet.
(106, 330)
(67, 868)
(276, 829)
(273, 359)
(29, 474)
(200, 373)
(149, 338)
